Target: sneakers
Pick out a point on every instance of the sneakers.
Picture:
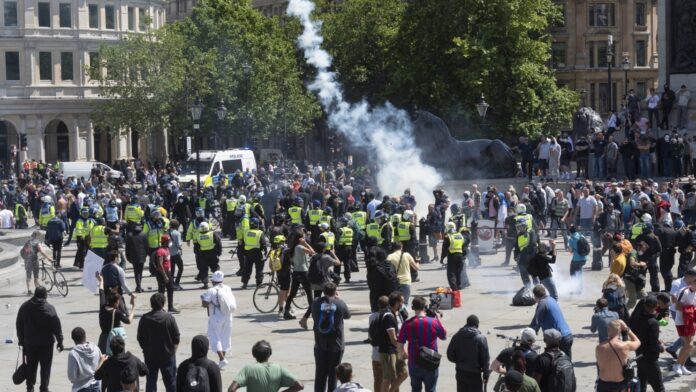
(223, 363)
(173, 310)
(288, 316)
(685, 371)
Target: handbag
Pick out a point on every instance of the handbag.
(629, 373)
(113, 332)
(427, 358)
(20, 373)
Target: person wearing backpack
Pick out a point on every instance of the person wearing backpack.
(30, 253)
(221, 304)
(386, 331)
(580, 247)
(198, 373)
(328, 313)
(381, 275)
(553, 369)
(263, 375)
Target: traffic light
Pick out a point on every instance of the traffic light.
(22, 141)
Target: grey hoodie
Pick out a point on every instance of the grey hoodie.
(82, 363)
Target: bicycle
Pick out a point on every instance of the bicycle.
(51, 278)
(266, 296)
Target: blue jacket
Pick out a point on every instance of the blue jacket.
(573, 243)
(548, 315)
(55, 229)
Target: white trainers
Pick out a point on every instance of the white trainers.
(223, 363)
(685, 371)
(677, 369)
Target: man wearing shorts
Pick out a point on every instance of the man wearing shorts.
(31, 264)
(684, 320)
(393, 365)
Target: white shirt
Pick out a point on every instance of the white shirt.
(688, 297)
(372, 207)
(684, 96)
(611, 123)
(6, 219)
(677, 285)
(586, 205)
(544, 150)
(211, 297)
(653, 100)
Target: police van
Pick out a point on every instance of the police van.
(216, 163)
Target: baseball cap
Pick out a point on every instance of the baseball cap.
(528, 335)
(552, 336)
(218, 276)
(513, 377)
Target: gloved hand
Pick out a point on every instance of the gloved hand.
(59, 347)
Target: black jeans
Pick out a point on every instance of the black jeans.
(57, 247)
(527, 168)
(168, 370)
(344, 254)
(654, 270)
(649, 373)
(138, 273)
(169, 286)
(80, 254)
(455, 267)
(666, 264)
(177, 268)
(39, 355)
(469, 382)
(253, 259)
(300, 278)
(325, 363)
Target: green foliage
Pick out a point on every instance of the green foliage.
(225, 50)
(441, 55)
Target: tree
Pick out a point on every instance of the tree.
(225, 50)
(441, 55)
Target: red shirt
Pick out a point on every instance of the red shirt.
(164, 254)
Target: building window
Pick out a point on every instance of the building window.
(44, 14)
(131, 19)
(641, 14)
(598, 54)
(141, 19)
(94, 62)
(10, 13)
(558, 55)
(601, 14)
(641, 91)
(11, 65)
(65, 15)
(641, 53)
(66, 66)
(93, 16)
(45, 66)
(109, 17)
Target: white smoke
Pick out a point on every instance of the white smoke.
(385, 131)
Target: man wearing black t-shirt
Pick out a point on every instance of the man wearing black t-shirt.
(393, 366)
(503, 362)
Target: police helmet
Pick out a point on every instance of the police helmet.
(521, 209)
(316, 203)
(407, 215)
(396, 218)
(200, 212)
(278, 239)
(450, 227)
(324, 226)
(242, 199)
(47, 199)
(204, 227)
(379, 215)
(155, 214)
(341, 222)
(254, 223)
(646, 218)
(454, 208)
(112, 203)
(84, 212)
(97, 212)
(298, 201)
(328, 210)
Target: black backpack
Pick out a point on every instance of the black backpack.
(562, 377)
(583, 246)
(196, 379)
(390, 282)
(315, 274)
(375, 331)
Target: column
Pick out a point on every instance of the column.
(89, 131)
(74, 132)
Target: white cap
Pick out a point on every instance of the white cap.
(218, 276)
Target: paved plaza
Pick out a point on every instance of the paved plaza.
(489, 297)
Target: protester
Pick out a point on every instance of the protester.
(31, 261)
(552, 360)
(344, 373)
(504, 362)
(263, 375)
(548, 315)
(612, 356)
(328, 313)
(38, 327)
(404, 263)
(83, 361)
(187, 372)
(110, 371)
(221, 304)
(602, 318)
(112, 313)
(158, 336)
(392, 362)
(647, 329)
(468, 350)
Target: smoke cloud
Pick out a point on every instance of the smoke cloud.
(384, 131)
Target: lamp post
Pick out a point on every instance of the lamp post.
(482, 108)
(610, 59)
(626, 65)
(196, 111)
(221, 114)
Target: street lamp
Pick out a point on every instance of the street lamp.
(610, 59)
(196, 112)
(626, 65)
(221, 114)
(482, 107)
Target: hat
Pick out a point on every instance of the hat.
(513, 377)
(166, 238)
(528, 335)
(218, 276)
(552, 336)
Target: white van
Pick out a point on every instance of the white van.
(84, 169)
(214, 162)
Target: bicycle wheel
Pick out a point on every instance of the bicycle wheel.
(61, 283)
(46, 279)
(300, 300)
(214, 224)
(266, 297)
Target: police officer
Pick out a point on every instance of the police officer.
(454, 248)
(83, 227)
(525, 247)
(326, 236)
(257, 211)
(385, 232)
(113, 213)
(458, 217)
(241, 216)
(638, 228)
(209, 246)
(20, 213)
(344, 248)
(47, 211)
(99, 238)
(255, 243)
(313, 217)
(230, 207)
(406, 233)
(372, 229)
(191, 232)
(154, 228)
(134, 214)
(295, 213)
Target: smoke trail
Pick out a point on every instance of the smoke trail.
(385, 131)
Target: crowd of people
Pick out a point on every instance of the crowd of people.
(312, 226)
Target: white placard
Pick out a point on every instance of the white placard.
(93, 264)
